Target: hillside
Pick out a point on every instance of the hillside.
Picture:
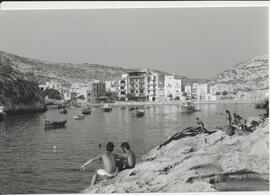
(68, 72)
(248, 75)
(19, 93)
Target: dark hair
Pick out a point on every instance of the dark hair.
(125, 145)
(197, 118)
(109, 146)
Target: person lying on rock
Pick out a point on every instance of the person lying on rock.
(128, 161)
(110, 170)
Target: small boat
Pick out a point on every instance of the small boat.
(138, 113)
(187, 107)
(78, 117)
(86, 111)
(63, 111)
(106, 108)
(133, 108)
(2, 113)
(54, 124)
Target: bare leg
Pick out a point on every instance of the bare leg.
(94, 179)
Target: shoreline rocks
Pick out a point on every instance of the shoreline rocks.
(190, 165)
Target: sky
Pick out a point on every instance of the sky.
(193, 42)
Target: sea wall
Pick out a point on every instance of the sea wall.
(18, 92)
(191, 165)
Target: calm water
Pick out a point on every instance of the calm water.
(28, 163)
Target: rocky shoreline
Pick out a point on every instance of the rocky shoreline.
(224, 163)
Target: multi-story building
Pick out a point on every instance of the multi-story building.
(136, 85)
(96, 92)
(122, 88)
(111, 86)
(173, 87)
(188, 90)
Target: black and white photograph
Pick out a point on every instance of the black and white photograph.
(134, 100)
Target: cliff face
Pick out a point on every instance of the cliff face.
(190, 165)
(251, 74)
(18, 92)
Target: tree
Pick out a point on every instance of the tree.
(184, 94)
(224, 93)
(217, 93)
(51, 93)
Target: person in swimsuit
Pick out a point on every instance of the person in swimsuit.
(128, 161)
(110, 170)
(229, 117)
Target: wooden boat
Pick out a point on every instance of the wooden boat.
(187, 107)
(86, 111)
(138, 113)
(78, 116)
(106, 108)
(55, 124)
(2, 113)
(133, 108)
(63, 111)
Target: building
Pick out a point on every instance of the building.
(136, 86)
(188, 90)
(96, 92)
(122, 88)
(111, 86)
(173, 87)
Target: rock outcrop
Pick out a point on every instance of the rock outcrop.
(18, 92)
(251, 74)
(190, 165)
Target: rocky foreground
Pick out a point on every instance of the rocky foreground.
(190, 165)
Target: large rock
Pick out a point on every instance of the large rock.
(18, 93)
(190, 165)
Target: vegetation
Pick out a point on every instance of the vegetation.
(51, 94)
(262, 104)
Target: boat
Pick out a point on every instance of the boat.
(54, 124)
(2, 113)
(86, 111)
(63, 111)
(133, 108)
(187, 107)
(138, 113)
(78, 116)
(123, 107)
(106, 108)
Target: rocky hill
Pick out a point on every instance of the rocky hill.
(251, 74)
(68, 72)
(18, 92)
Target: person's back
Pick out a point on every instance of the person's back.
(109, 162)
(131, 158)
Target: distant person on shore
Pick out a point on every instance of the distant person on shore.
(235, 119)
(128, 161)
(202, 129)
(110, 170)
(229, 117)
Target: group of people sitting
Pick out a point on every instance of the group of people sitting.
(112, 163)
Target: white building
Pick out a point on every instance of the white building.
(111, 86)
(188, 90)
(173, 87)
(122, 88)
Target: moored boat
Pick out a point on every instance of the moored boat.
(138, 113)
(187, 107)
(78, 116)
(63, 111)
(54, 124)
(106, 108)
(86, 111)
